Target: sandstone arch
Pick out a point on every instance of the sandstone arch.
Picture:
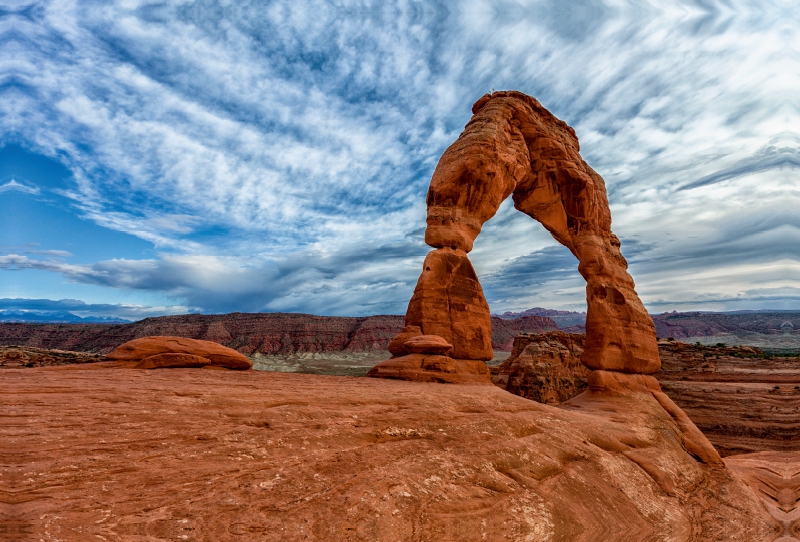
(513, 146)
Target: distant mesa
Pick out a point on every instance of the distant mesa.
(513, 146)
(175, 352)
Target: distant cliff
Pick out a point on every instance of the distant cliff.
(680, 325)
(266, 333)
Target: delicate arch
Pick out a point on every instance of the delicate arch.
(514, 146)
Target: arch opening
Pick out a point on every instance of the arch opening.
(513, 147)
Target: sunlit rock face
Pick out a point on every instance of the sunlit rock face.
(513, 146)
(258, 456)
(167, 352)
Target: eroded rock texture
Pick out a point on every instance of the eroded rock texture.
(742, 399)
(513, 146)
(166, 352)
(253, 456)
(544, 367)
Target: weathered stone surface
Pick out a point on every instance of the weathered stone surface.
(448, 301)
(251, 456)
(397, 346)
(433, 368)
(544, 367)
(513, 145)
(429, 344)
(740, 398)
(161, 352)
(172, 360)
(775, 477)
(24, 356)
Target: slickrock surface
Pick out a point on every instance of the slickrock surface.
(741, 399)
(775, 477)
(16, 357)
(514, 146)
(262, 333)
(216, 456)
(173, 352)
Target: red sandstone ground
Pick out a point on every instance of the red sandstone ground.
(742, 399)
(190, 454)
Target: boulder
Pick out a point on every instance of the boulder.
(428, 344)
(165, 352)
(433, 368)
(544, 367)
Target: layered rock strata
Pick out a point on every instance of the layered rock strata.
(14, 357)
(740, 398)
(253, 333)
(513, 146)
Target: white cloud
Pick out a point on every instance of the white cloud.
(308, 132)
(13, 185)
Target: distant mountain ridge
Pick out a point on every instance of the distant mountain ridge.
(288, 333)
(563, 319)
(682, 325)
(53, 317)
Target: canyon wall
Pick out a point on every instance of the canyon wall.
(249, 333)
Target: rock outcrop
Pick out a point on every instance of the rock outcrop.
(775, 477)
(254, 333)
(173, 352)
(544, 367)
(740, 398)
(14, 357)
(513, 146)
(229, 455)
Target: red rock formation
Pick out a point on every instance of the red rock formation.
(741, 399)
(775, 477)
(229, 455)
(265, 333)
(544, 367)
(448, 301)
(16, 357)
(513, 145)
(163, 352)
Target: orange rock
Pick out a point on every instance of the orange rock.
(514, 146)
(397, 346)
(429, 344)
(282, 457)
(433, 368)
(448, 301)
(154, 352)
(172, 360)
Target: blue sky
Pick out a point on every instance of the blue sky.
(274, 156)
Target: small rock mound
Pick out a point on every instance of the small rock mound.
(173, 352)
(17, 357)
(544, 367)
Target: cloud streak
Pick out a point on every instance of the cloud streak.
(277, 155)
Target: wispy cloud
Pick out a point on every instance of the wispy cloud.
(278, 154)
(18, 187)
